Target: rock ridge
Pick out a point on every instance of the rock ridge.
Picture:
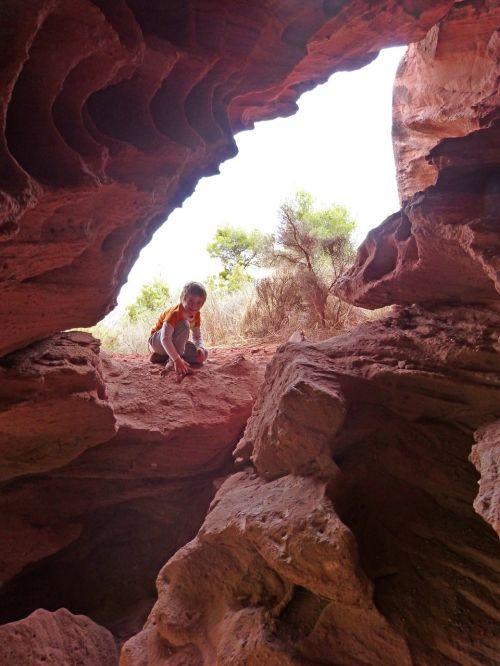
(77, 510)
(371, 555)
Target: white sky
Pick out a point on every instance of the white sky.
(337, 147)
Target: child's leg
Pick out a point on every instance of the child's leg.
(155, 346)
(190, 352)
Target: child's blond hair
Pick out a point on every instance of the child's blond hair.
(193, 289)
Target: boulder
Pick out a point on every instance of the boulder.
(56, 639)
(376, 557)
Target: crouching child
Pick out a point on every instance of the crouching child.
(169, 340)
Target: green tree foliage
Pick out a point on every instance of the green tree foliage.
(238, 250)
(313, 245)
(152, 299)
(229, 281)
(323, 222)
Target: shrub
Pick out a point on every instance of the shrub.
(275, 305)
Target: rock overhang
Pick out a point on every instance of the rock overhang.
(111, 112)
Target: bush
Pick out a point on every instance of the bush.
(275, 306)
(152, 298)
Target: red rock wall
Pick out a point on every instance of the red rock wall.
(357, 532)
(111, 111)
(351, 538)
(350, 535)
(107, 469)
(444, 243)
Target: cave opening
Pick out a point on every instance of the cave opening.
(108, 572)
(112, 113)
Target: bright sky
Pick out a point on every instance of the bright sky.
(337, 147)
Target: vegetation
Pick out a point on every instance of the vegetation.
(314, 247)
(151, 299)
(237, 250)
(302, 261)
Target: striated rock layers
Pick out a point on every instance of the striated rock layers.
(353, 539)
(107, 469)
(444, 244)
(360, 528)
(110, 112)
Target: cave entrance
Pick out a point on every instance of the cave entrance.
(338, 148)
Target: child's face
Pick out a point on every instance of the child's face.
(192, 304)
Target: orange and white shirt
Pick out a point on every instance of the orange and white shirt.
(173, 316)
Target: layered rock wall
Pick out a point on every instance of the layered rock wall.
(443, 244)
(108, 468)
(111, 111)
(372, 554)
(358, 530)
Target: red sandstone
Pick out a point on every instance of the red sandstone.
(287, 571)
(150, 483)
(443, 245)
(111, 112)
(350, 536)
(56, 639)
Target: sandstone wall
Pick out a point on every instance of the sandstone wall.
(444, 243)
(110, 112)
(108, 468)
(350, 535)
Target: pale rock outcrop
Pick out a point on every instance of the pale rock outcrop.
(267, 550)
(486, 457)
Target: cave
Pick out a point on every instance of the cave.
(336, 502)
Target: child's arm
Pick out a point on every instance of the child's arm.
(198, 341)
(167, 330)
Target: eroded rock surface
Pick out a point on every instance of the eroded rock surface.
(88, 516)
(486, 457)
(444, 244)
(53, 405)
(56, 639)
(267, 551)
(111, 111)
(350, 535)
(371, 555)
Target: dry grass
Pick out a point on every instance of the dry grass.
(222, 325)
(223, 316)
(269, 311)
(123, 336)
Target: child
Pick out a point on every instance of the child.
(169, 340)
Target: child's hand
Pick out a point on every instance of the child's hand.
(181, 367)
